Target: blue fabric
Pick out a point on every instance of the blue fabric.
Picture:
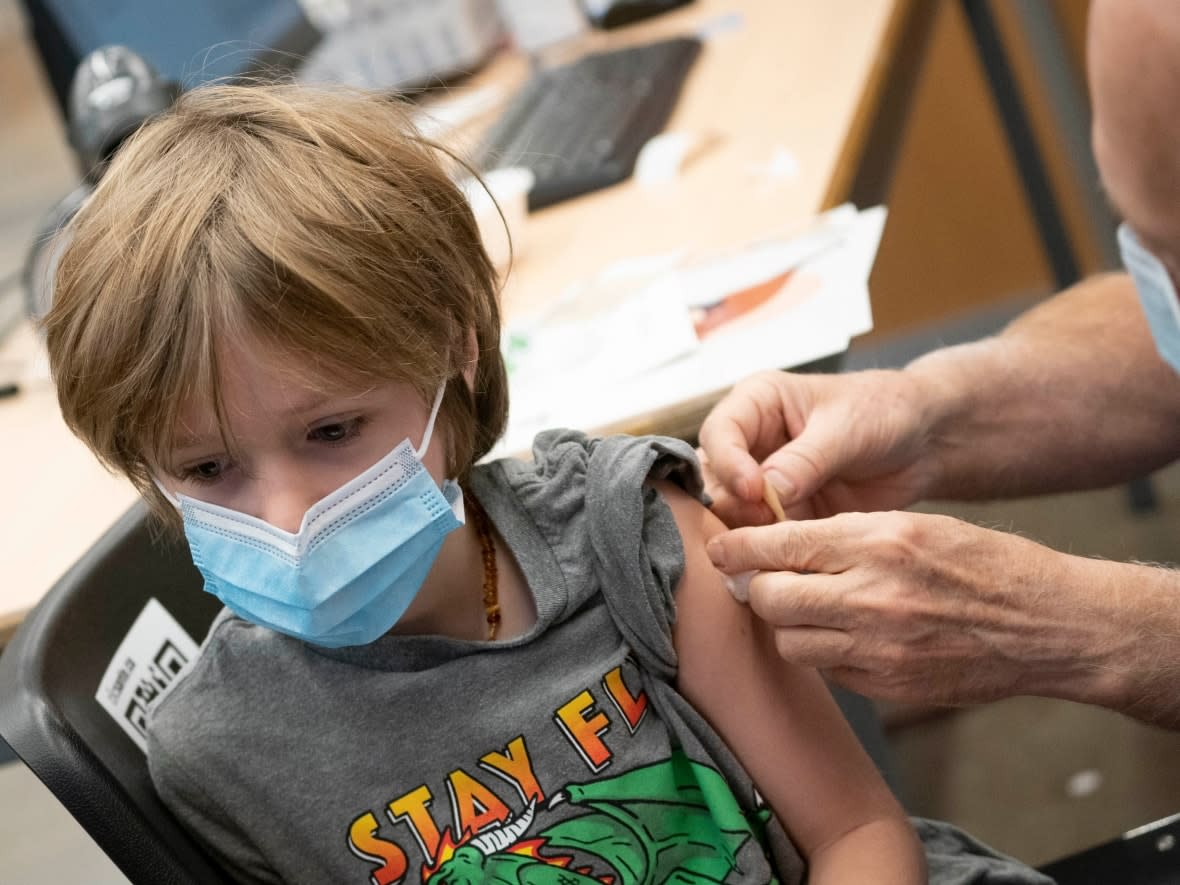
(1157, 295)
(355, 565)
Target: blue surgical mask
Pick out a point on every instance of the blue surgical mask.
(1157, 294)
(358, 560)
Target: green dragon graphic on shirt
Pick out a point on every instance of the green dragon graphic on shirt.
(674, 821)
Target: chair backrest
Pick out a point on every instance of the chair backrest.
(49, 676)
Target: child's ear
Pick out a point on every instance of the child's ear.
(471, 360)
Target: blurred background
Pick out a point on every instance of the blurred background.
(965, 248)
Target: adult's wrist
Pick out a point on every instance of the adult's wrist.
(1126, 633)
(941, 399)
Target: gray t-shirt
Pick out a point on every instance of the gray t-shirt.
(562, 756)
(567, 750)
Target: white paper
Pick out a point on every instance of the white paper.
(144, 669)
(437, 119)
(535, 24)
(599, 369)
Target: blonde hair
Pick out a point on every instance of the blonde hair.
(316, 221)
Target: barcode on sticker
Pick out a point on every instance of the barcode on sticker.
(146, 666)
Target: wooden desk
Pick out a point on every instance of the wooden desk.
(804, 77)
(57, 501)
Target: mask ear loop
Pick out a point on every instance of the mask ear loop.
(455, 497)
(172, 499)
(426, 434)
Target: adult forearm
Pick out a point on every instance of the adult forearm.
(1071, 395)
(1130, 660)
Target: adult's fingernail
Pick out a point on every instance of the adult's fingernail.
(739, 585)
(782, 485)
(716, 553)
(742, 487)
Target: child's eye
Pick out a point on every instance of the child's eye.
(203, 471)
(336, 432)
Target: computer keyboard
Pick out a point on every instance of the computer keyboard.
(579, 127)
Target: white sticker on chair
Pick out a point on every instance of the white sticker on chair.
(146, 666)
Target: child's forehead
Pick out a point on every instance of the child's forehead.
(256, 383)
(250, 364)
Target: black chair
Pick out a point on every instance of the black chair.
(50, 673)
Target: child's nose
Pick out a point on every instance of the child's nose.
(286, 497)
(285, 511)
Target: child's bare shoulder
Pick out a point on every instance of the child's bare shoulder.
(715, 635)
(701, 586)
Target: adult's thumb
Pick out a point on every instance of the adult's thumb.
(804, 465)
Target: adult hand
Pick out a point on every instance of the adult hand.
(929, 609)
(828, 443)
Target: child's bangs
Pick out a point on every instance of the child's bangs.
(347, 310)
(326, 335)
(187, 375)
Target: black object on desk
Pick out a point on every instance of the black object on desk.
(616, 13)
(191, 42)
(579, 127)
(1149, 855)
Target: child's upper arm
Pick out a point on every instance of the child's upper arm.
(778, 719)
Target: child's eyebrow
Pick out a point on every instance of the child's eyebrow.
(311, 403)
(192, 440)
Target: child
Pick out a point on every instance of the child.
(276, 318)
